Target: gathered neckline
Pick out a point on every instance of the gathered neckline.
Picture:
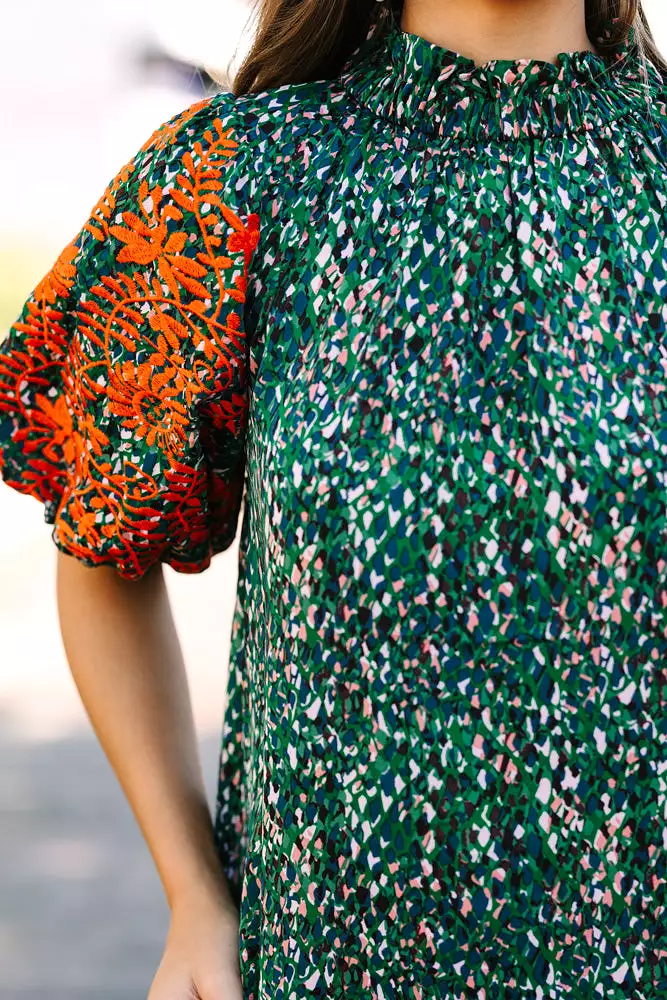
(419, 83)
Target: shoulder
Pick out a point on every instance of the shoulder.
(240, 135)
(246, 123)
(226, 152)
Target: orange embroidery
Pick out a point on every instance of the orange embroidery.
(60, 278)
(150, 405)
(116, 426)
(146, 241)
(166, 135)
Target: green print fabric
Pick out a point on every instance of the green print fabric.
(406, 329)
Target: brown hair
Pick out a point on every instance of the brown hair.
(296, 41)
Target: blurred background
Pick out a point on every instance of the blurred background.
(82, 86)
(82, 912)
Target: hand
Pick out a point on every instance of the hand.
(200, 960)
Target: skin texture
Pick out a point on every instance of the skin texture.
(125, 658)
(500, 29)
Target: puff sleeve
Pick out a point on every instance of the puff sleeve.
(123, 388)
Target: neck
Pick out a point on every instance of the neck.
(500, 29)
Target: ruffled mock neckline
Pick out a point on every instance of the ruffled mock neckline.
(417, 83)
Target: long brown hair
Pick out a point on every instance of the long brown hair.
(296, 41)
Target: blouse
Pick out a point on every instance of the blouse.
(404, 328)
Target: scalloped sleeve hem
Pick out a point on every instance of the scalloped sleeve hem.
(123, 388)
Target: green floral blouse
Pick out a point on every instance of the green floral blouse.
(406, 329)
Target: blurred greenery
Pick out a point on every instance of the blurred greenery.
(22, 266)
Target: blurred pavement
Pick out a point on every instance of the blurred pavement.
(82, 912)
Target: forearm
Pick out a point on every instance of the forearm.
(125, 657)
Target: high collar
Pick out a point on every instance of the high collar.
(419, 84)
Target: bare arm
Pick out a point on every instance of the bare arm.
(124, 654)
(125, 657)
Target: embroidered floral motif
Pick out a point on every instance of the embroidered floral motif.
(131, 343)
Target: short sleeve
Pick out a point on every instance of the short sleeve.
(123, 387)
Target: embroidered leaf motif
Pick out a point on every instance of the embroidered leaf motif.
(112, 365)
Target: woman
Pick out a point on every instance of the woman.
(403, 292)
